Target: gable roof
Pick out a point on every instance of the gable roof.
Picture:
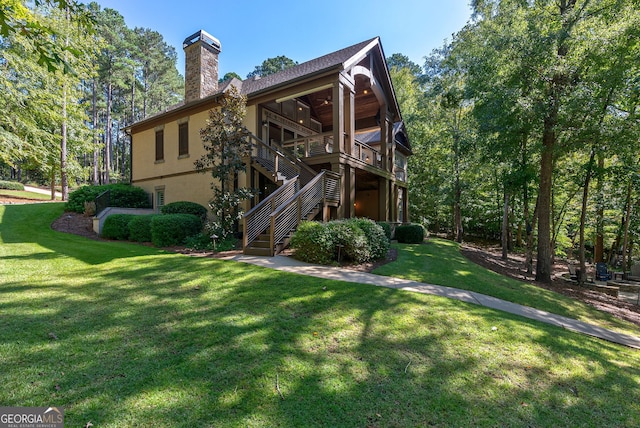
(337, 59)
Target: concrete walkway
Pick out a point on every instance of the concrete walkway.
(41, 191)
(289, 264)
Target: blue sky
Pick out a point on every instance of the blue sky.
(251, 31)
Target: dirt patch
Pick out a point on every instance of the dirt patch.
(77, 224)
(490, 257)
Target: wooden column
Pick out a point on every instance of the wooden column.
(384, 142)
(350, 174)
(383, 199)
(338, 116)
(350, 121)
(391, 146)
(340, 169)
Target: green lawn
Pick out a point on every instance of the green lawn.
(126, 335)
(440, 262)
(23, 194)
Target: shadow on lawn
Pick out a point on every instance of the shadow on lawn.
(31, 223)
(178, 341)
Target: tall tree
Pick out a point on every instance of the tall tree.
(227, 143)
(272, 66)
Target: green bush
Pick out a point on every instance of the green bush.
(122, 195)
(116, 226)
(173, 229)
(140, 228)
(312, 243)
(377, 239)
(350, 242)
(200, 242)
(387, 229)
(185, 207)
(11, 185)
(410, 234)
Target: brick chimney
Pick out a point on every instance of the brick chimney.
(201, 65)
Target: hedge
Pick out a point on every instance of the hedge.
(185, 207)
(140, 228)
(410, 234)
(358, 240)
(116, 226)
(312, 243)
(173, 229)
(122, 195)
(11, 185)
(376, 237)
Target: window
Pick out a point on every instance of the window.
(183, 139)
(159, 145)
(159, 199)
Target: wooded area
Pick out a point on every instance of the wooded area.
(524, 126)
(75, 76)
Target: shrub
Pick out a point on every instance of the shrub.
(173, 229)
(89, 208)
(312, 243)
(116, 226)
(349, 240)
(410, 234)
(185, 207)
(201, 241)
(387, 229)
(140, 228)
(377, 239)
(126, 196)
(122, 195)
(11, 185)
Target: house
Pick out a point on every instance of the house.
(329, 142)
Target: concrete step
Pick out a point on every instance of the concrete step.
(253, 251)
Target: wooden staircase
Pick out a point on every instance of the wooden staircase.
(302, 195)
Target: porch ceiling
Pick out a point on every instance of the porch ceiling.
(366, 103)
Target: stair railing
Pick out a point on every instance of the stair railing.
(323, 188)
(278, 160)
(257, 219)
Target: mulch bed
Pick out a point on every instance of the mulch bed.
(487, 256)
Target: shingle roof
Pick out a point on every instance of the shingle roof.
(253, 86)
(326, 62)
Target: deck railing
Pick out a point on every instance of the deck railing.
(367, 154)
(280, 162)
(313, 145)
(322, 144)
(320, 191)
(256, 220)
(103, 200)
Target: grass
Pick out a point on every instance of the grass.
(23, 194)
(126, 335)
(440, 262)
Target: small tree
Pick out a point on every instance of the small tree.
(227, 144)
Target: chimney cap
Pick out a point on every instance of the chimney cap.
(202, 36)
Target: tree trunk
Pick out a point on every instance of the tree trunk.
(96, 140)
(543, 265)
(505, 227)
(598, 251)
(582, 277)
(627, 221)
(108, 147)
(457, 215)
(64, 179)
